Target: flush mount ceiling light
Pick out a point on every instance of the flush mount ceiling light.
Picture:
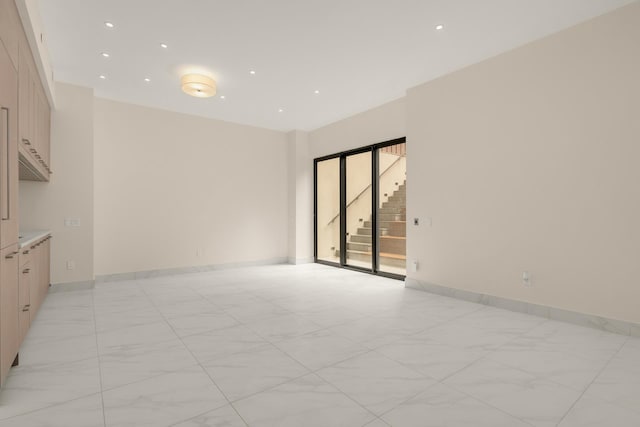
(198, 85)
(439, 27)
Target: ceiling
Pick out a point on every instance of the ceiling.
(358, 54)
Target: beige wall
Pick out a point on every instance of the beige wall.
(173, 190)
(380, 124)
(69, 194)
(529, 162)
(300, 184)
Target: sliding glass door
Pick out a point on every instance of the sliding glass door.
(392, 209)
(360, 209)
(359, 194)
(328, 210)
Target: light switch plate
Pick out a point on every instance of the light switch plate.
(72, 222)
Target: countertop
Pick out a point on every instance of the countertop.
(27, 237)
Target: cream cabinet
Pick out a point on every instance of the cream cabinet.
(9, 317)
(25, 118)
(38, 258)
(25, 273)
(34, 119)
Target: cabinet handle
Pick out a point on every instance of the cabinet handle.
(26, 308)
(26, 141)
(33, 150)
(25, 252)
(6, 204)
(11, 255)
(26, 270)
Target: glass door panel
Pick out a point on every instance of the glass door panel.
(392, 209)
(328, 210)
(358, 200)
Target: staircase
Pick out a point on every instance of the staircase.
(393, 233)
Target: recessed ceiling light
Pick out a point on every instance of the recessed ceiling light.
(109, 24)
(316, 91)
(252, 72)
(439, 27)
(163, 45)
(147, 79)
(105, 54)
(280, 110)
(103, 77)
(222, 96)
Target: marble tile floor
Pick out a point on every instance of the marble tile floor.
(309, 345)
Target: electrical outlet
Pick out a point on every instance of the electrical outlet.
(71, 265)
(526, 279)
(72, 222)
(416, 221)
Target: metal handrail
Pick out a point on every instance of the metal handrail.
(363, 191)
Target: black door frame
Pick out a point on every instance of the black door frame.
(375, 197)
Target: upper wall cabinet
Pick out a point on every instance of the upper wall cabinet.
(8, 151)
(10, 29)
(34, 120)
(34, 115)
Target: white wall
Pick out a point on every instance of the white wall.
(174, 190)
(529, 162)
(69, 194)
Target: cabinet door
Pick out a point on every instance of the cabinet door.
(24, 285)
(9, 317)
(10, 28)
(47, 136)
(46, 264)
(8, 151)
(34, 282)
(24, 91)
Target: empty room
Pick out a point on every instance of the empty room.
(305, 213)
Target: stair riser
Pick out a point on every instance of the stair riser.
(390, 210)
(385, 224)
(397, 199)
(392, 262)
(360, 239)
(393, 246)
(363, 247)
(367, 232)
(393, 207)
(392, 217)
(397, 229)
(389, 262)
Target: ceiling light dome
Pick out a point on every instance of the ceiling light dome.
(198, 85)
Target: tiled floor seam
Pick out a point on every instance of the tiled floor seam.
(592, 381)
(104, 415)
(33, 411)
(201, 367)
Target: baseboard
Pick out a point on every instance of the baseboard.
(574, 317)
(297, 261)
(149, 274)
(72, 286)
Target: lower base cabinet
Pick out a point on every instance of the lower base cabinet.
(9, 309)
(24, 283)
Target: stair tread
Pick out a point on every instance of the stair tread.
(394, 237)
